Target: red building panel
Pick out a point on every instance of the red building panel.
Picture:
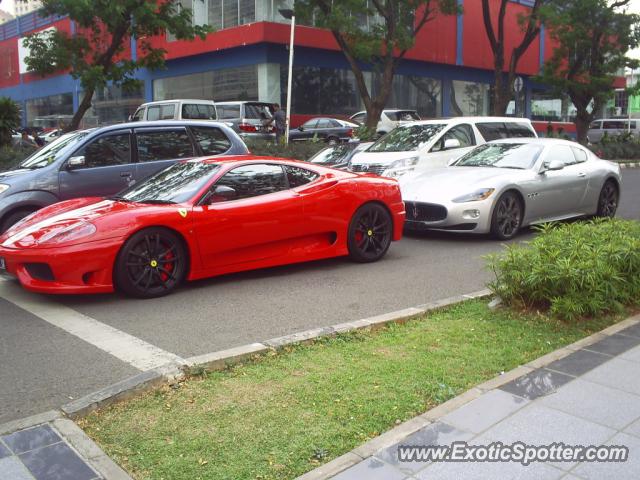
(9, 66)
(63, 25)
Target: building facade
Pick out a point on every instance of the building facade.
(449, 72)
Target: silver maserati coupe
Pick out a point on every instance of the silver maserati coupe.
(502, 186)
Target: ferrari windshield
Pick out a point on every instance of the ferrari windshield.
(175, 184)
(520, 156)
(407, 138)
(51, 152)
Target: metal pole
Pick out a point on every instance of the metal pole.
(288, 120)
(629, 106)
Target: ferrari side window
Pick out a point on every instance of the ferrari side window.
(299, 176)
(107, 150)
(254, 180)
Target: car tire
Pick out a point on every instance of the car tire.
(151, 263)
(370, 233)
(506, 219)
(332, 140)
(13, 218)
(608, 200)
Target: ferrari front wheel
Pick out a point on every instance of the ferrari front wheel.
(151, 263)
(370, 233)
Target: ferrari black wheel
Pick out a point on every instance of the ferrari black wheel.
(507, 216)
(608, 200)
(370, 233)
(151, 264)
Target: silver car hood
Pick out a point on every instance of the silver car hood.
(444, 184)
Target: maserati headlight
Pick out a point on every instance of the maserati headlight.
(68, 233)
(400, 167)
(3, 187)
(478, 195)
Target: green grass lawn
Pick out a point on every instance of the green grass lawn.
(283, 414)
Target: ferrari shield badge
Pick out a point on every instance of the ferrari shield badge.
(182, 212)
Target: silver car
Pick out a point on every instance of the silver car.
(502, 186)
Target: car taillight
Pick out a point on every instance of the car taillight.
(350, 133)
(245, 127)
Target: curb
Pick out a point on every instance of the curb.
(629, 164)
(391, 437)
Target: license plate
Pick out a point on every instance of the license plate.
(3, 265)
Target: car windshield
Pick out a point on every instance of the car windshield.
(407, 139)
(403, 116)
(502, 155)
(175, 184)
(332, 155)
(50, 153)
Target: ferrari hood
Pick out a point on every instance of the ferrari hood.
(443, 184)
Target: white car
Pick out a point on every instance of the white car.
(178, 109)
(504, 185)
(435, 143)
(51, 135)
(389, 119)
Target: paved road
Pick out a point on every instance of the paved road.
(42, 366)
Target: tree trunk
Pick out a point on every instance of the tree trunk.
(582, 122)
(85, 104)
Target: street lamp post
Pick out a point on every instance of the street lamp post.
(289, 15)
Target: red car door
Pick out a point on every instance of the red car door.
(251, 216)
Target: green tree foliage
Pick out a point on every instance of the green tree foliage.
(593, 38)
(377, 33)
(9, 119)
(94, 55)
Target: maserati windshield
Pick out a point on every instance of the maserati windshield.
(520, 156)
(176, 184)
(406, 138)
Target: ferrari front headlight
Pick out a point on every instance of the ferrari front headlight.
(478, 195)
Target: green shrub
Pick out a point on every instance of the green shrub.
(572, 270)
(295, 150)
(617, 147)
(10, 157)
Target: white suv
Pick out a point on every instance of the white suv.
(435, 143)
(176, 110)
(389, 119)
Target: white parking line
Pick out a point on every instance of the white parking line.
(129, 349)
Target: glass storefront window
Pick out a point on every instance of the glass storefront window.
(50, 112)
(422, 94)
(239, 83)
(550, 108)
(221, 14)
(469, 98)
(112, 104)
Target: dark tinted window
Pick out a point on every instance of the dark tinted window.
(519, 130)
(299, 176)
(359, 118)
(595, 125)
(257, 111)
(581, 155)
(164, 145)
(228, 111)
(108, 150)
(138, 115)
(310, 123)
(253, 180)
(462, 133)
(198, 111)
(492, 131)
(324, 123)
(404, 116)
(212, 140)
(612, 125)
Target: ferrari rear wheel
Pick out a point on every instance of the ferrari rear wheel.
(370, 233)
(608, 200)
(151, 263)
(507, 216)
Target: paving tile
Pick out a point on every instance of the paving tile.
(35, 437)
(489, 471)
(632, 331)
(12, 469)
(628, 470)
(536, 424)
(633, 429)
(614, 345)
(438, 433)
(595, 402)
(617, 373)
(536, 384)
(57, 462)
(632, 355)
(484, 411)
(4, 451)
(371, 469)
(578, 363)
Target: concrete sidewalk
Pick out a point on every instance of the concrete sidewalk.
(591, 397)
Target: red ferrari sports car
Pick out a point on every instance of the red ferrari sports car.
(202, 218)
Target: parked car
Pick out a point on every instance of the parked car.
(434, 143)
(502, 186)
(249, 119)
(389, 119)
(330, 130)
(202, 218)
(176, 110)
(103, 161)
(612, 127)
(338, 156)
(51, 135)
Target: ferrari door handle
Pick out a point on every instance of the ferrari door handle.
(582, 174)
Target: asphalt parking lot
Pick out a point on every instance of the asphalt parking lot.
(44, 366)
